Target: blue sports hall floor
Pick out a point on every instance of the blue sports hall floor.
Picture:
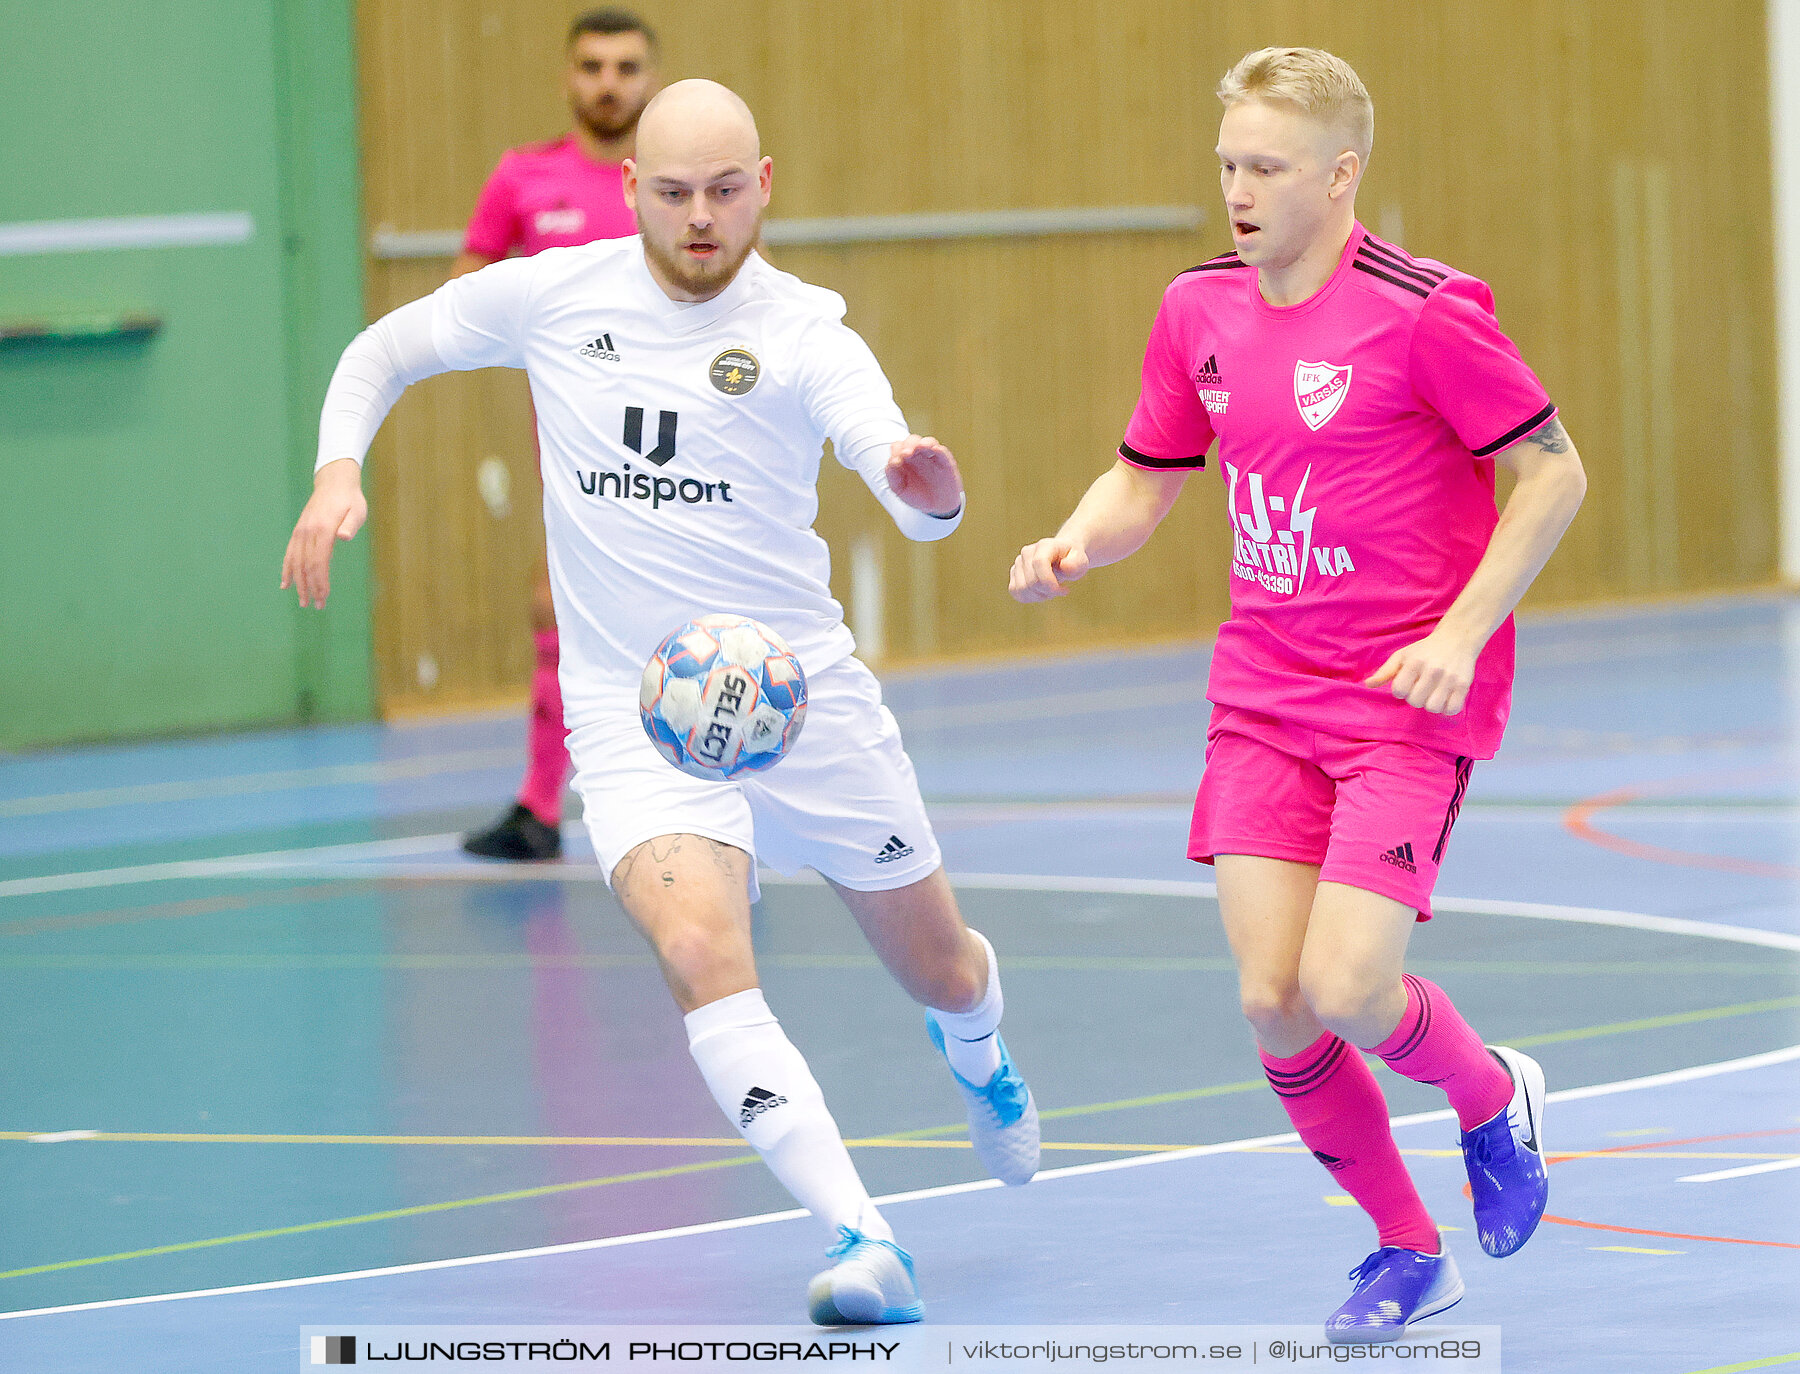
(277, 1055)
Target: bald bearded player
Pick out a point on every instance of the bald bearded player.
(716, 517)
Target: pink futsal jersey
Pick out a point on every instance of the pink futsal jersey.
(549, 195)
(1355, 435)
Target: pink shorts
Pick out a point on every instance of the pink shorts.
(1369, 814)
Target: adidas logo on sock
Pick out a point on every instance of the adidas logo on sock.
(1400, 856)
(895, 848)
(1332, 1162)
(756, 1102)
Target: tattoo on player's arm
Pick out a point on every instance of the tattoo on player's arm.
(1550, 436)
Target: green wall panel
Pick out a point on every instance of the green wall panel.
(149, 486)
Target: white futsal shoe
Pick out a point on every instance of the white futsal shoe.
(871, 1284)
(1003, 1118)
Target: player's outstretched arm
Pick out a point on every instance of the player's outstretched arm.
(1120, 511)
(1434, 674)
(923, 474)
(336, 510)
(380, 363)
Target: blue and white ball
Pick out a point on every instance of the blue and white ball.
(723, 695)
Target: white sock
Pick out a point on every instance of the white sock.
(763, 1085)
(970, 1040)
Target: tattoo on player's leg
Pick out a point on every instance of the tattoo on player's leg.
(724, 856)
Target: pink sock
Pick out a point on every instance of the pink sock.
(1335, 1104)
(548, 756)
(1433, 1044)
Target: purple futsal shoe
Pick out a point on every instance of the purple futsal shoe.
(1395, 1288)
(1505, 1159)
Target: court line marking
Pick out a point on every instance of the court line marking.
(1767, 1363)
(1745, 1172)
(343, 861)
(278, 861)
(893, 1142)
(248, 784)
(1676, 1076)
(1577, 821)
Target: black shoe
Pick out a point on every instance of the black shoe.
(519, 836)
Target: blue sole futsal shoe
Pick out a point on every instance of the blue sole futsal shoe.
(1505, 1159)
(1003, 1119)
(1395, 1288)
(871, 1283)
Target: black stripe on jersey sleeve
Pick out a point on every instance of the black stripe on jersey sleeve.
(1416, 273)
(1144, 460)
(1516, 433)
(1217, 265)
(1401, 282)
(1393, 257)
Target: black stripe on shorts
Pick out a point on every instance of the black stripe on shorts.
(1464, 766)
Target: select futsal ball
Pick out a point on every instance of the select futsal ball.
(723, 695)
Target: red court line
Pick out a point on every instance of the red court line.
(1575, 820)
(1665, 1144)
(1665, 1235)
(1670, 1235)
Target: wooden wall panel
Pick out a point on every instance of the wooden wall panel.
(1604, 167)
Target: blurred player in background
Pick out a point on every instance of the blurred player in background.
(556, 195)
(741, 372)
(1360, 398)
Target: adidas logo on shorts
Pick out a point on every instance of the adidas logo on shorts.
(756, 1102)
(895, 848)
(1400, 856)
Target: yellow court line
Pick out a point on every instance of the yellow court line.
(1768, 1363)
(1680, 1018)
(703, 1142)
(729, 1142)
(1555, 1155)
(1156, 1099)
(393, 1215)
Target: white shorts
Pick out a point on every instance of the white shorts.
(844, 801)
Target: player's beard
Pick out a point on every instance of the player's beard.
(609, 122)
(712, 276)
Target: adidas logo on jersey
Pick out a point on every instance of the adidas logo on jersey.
(895, 848)
(601, 348)
(1400, 856)
(756, 1102)
(1208, 385)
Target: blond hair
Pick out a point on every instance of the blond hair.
(1311, 80)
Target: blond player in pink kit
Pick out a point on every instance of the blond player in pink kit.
(561, 194)
(1359, 398)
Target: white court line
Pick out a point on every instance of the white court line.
(1754, 1061)
(275, 863)
(345, 861)
(1744, 1172)
(242, 784)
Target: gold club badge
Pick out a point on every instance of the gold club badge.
(734, 371)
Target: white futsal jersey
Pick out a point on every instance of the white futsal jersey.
(680, 443)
